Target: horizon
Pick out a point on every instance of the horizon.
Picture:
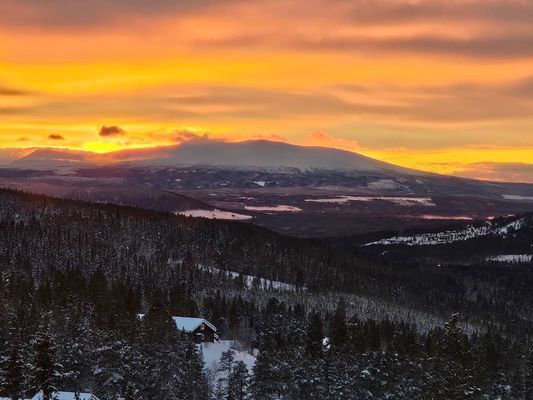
(28, 151)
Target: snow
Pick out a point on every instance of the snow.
(263, 283)
(66, 396)
(212, 352)
(215, 214)
(517, 197)
(446, 217)
(189, 324)
(470, 232)
(260, 183)
(401, 201)
(512, 258)
(278, 208)
(386, 184)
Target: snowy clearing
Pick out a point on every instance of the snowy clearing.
(264, 284)
(512, 258)
(445, 217)
(278, 208)
(215, 214)
(401, 201)
(517, 197)
(470, 232)
(213, 351)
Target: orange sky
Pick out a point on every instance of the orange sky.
(439, 85)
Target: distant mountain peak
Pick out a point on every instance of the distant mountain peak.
(261, 154)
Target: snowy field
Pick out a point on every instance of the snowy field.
(265, 284)
(445, 217)
(278, 208)
(213, 351)
(215, 214)
(401, 201)
(511, 258)
(517, 197)
(470, 232)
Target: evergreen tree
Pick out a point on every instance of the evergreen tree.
(45, 371)
(12, 365)
(238, 382)
(315, 335)
(225, 366)
(528, 375)
(339, 329)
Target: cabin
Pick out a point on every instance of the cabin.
(200, 329)
(67, 396)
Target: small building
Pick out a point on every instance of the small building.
(201, 329)
(67, 396)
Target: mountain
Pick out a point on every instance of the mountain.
(303, 191)
(255, 154)
(249, 154)
(57, 159)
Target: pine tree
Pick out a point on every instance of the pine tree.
(238, 382)
(528, 375)
(315, 335)
(45, 371)
(224, 369)
(12, 365)
(339, 329)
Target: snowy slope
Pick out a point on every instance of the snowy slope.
(213, 351)
(489, 228)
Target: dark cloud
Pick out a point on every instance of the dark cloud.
(23, 139)
(55, 136)
(111, 130)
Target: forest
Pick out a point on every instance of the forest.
(74, 277)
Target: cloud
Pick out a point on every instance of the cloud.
(473, 28)
(55, 136)
(493, 171)
(92, 13)
(111, 130)
(8, 91)
(486, 46)
(185, 135)
(323, 139)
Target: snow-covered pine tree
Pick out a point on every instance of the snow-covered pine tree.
(238, 382)
(45, 371)
(339, 329)
(224, 369)
(12, 365)
(315, 335)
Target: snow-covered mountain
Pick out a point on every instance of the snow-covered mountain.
(306, 191)
(249, 154)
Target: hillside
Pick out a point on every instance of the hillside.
(77, 275)
(296, 190)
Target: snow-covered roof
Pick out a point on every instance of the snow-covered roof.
(189, 324)
(66, 396)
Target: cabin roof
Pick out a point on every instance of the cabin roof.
(189, 324)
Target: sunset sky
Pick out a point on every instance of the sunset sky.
(441, 85)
